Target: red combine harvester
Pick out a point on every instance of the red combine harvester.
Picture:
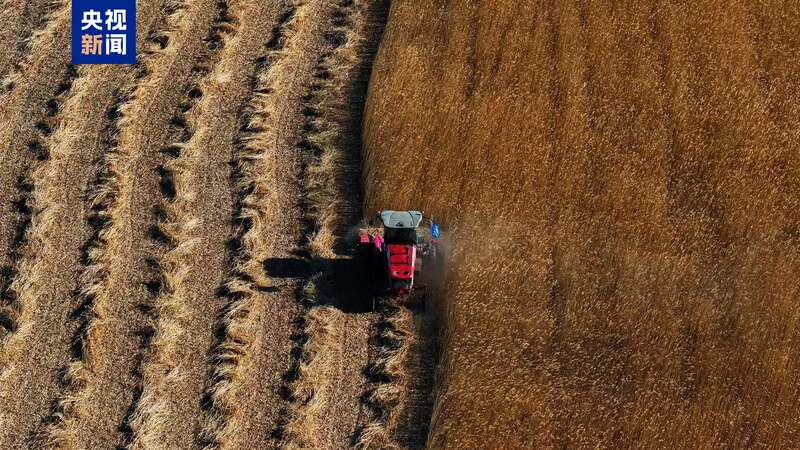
(394, 252)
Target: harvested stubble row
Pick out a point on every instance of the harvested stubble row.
(172, 214)
(327, 409)
(389, 366)
(120, 278)
(19, 21)
(31, 91)
(417, 389)
(256, 355)
(171, 412)
(49, 276)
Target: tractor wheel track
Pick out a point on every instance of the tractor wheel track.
(121, 282)
(48, 279)
(173, 408)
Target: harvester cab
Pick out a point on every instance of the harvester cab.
(396, 250)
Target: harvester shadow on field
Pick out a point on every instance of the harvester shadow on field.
(339, 282)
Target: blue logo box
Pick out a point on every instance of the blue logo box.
(103, 31)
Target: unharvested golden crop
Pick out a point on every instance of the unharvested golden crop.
(620, 182)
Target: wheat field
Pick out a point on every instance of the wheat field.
(620, 184)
